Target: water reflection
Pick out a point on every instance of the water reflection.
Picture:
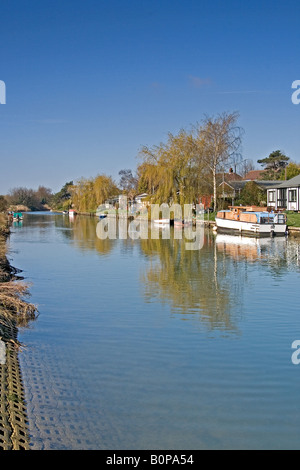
(210, 283)
(193, 346)
(206, 284)
(277, 253)
(192, 282)
(82, 231)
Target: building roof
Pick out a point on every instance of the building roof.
(265, 184)
(254, 175)
(240, 184)
(227, 177)
(236, 185)
(292, 183)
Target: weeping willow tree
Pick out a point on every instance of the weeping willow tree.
(172, 172)
(88, 193)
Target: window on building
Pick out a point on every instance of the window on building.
(292, 195)
(271, 196)
(282, 199)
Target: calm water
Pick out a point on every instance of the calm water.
(143, 345)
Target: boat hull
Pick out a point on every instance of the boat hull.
(162, 221)
(238, 227)
(182, 223)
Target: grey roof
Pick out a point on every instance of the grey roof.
(265, 184)
(236, 185)
(239, 185)
(292, 183)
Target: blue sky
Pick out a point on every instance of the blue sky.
(89, 82)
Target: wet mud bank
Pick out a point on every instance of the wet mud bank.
(15, 312)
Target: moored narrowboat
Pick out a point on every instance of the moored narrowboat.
(251, 220)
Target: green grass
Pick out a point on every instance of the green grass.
(293, 219)
(210, 216)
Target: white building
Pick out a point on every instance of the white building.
(285, 195)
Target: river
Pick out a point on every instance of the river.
(141, 344)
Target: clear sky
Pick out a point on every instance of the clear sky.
(89, 82)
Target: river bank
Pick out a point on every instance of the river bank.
(14, 312)
(210, 223)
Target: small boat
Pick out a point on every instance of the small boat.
(162, 221)
(251, 220)
(182, 223)
(72, 212)
(17, 216)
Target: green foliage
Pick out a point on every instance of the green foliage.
(174, 171)
(186, 166)
(251, 194)
(292, 170)
(62, 199)
(88, 194)
(274, 165)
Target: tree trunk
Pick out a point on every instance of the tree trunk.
(215, 187)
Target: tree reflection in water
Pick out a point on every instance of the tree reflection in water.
(207, 284)
(210, 283)
(194, 283)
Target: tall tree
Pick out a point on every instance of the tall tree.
(292, 170)
(219, 142)
(87, 194)
(62, 199)
(128, 183)
(274, 165)
(245, 166)
(44, 194)
(172, 171)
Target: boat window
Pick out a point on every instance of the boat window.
(281, 219)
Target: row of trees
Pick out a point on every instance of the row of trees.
(33, 199)
(187, 165)
(179, 170)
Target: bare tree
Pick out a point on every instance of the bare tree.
(128, 183)
(219, 142)
(245, 166)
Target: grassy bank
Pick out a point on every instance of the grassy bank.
(293, 219)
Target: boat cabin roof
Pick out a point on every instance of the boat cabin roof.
(247, 209)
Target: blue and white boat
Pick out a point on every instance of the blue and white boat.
(251, 220)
